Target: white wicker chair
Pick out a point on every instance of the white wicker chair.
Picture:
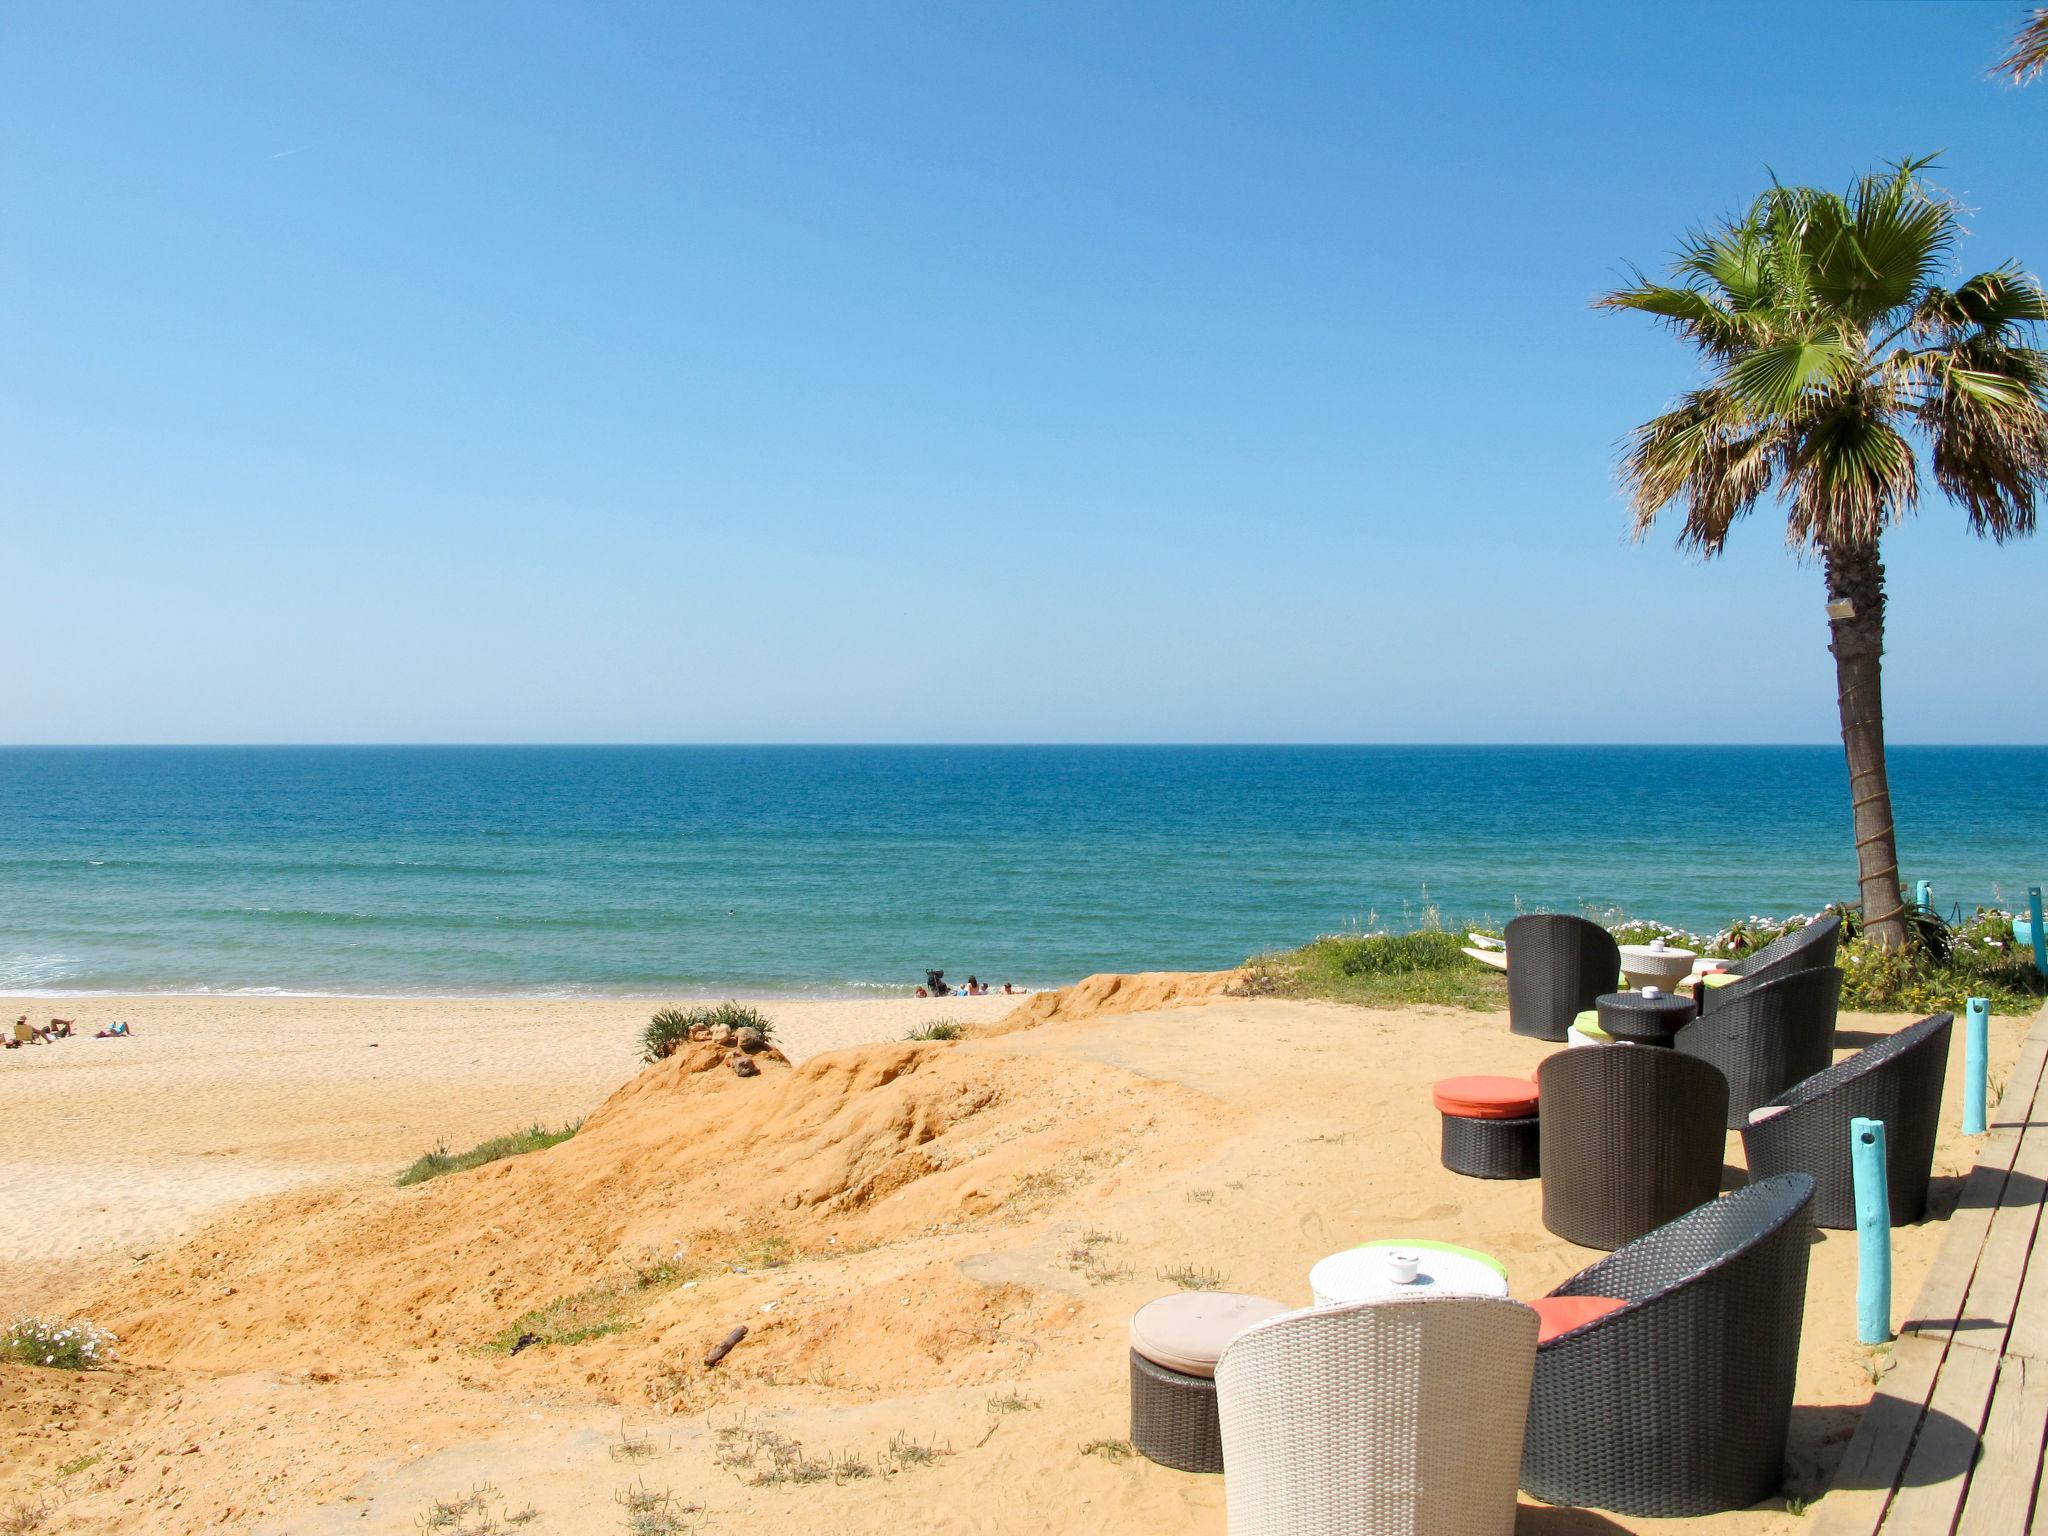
(1383, 1418)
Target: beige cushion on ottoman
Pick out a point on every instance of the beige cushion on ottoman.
(1187, 1332)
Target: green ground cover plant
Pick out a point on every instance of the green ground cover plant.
(62, 1344)
(671, 1027)
(1939, 967)
(535, 1138)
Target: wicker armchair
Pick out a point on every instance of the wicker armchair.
(1677, 1403)
(1899, 1081)
(1382, 1418)
(1630, 1136)
(1768, 1037)
(1557, 965)
(1811, 947)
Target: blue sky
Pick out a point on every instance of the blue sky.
(502, 372)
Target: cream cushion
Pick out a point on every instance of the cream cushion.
(1187, 1333)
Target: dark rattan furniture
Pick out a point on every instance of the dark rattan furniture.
(1175, 1344)
(1811, 947)
(1173, 1417)
(1492, 1149)
(1644, 1020)
(1768, 1037)
(1557, 966)
(1489, 1126)
(1677, 1403)
(1899, 1081)
(1631, 1136)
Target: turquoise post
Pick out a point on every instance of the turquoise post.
(1873, 1232)
(1976, 1051)
(1923, 895)
(2040, 938)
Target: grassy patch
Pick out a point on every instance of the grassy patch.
(672, 1027)
(1085, 1256)
(61, 1344)
(480, 1512)
(769, 1252)
(1110, 1450)
(534, 1138)
(938, 1029)
(655, 1514)
(1382, 970)
(591, 1314)
(765, 1458)
(73, 1468)
(1190, 1277)
(1012, 1402)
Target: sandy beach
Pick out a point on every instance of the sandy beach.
(115, 1147)
(934, 1247)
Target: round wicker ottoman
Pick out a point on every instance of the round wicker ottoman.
(1175, 1344)
(1490, 1126)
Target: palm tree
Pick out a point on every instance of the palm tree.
(1833, 361)
(2028, 55)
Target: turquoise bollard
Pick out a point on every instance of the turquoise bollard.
(1873, 1232)
(1923, 895)
(2040, 936)
(1976, 1062)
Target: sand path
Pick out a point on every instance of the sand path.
(117, 1147)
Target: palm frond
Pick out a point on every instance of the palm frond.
(1776, 377)
(1989, 435)
(1707, 454)
(2028, 54)
(1851, 476)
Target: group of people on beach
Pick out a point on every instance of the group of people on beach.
(26, 1033)
(935, 986)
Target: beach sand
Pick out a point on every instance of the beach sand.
(116, 1147)
(936, 1250)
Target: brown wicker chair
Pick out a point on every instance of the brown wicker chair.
(1630, 1136)
(1558, 965)
(1768, 1036)
(1811, 947)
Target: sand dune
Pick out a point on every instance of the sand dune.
(109, 1147)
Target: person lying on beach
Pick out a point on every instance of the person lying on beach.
(60, 1029)
(119, 1031)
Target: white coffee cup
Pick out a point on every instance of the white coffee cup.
(1402, 1267)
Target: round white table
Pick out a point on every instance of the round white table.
(1653, 965)
(1363, 1274)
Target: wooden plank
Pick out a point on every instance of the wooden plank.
(2029, 1335)
(1871, 1466)
(1937, 1473)
(2008, 1248)
(1944, 1299)
(2001, 1494)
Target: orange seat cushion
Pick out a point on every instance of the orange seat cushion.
(1561, 1314)
(1486, 1098)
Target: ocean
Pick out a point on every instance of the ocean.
(792, 871)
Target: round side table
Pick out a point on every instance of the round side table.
(1364, 1274)
(1644, 1020)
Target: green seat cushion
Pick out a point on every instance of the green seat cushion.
(1588, 1024)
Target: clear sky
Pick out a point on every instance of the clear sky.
(1051, 372)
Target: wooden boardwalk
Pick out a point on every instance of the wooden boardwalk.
(1952, 1442)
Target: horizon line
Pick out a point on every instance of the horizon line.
(1221, 746)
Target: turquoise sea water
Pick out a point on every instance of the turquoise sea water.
(790, 870)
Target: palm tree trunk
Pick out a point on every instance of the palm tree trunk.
(1855, 577)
